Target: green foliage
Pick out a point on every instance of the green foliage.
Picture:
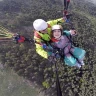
(46, 84)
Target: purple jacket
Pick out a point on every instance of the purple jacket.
(63, 42)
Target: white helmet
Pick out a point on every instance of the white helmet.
(40, 24)
(54, 27)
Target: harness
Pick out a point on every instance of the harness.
(60, 51)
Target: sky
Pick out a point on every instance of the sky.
(94, 1)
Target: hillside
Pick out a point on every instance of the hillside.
(18, 15)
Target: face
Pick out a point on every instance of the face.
(57, 33)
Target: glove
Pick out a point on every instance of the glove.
(44, 46)
(67, 21)
(47, 48)
(67, 18)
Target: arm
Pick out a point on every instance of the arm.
(44, 52)
(66, 32)
(41, 51)
(56, 21)
(71, 32)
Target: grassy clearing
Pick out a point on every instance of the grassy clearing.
(13, 85)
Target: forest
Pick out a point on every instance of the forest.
(18, 16)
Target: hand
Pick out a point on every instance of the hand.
(67, 18)
(73, 32)
(67, 21)
(44, 46)
(47, 48)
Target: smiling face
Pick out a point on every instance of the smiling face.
(57, 33)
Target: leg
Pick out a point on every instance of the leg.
(78, 53)
(69, 60)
